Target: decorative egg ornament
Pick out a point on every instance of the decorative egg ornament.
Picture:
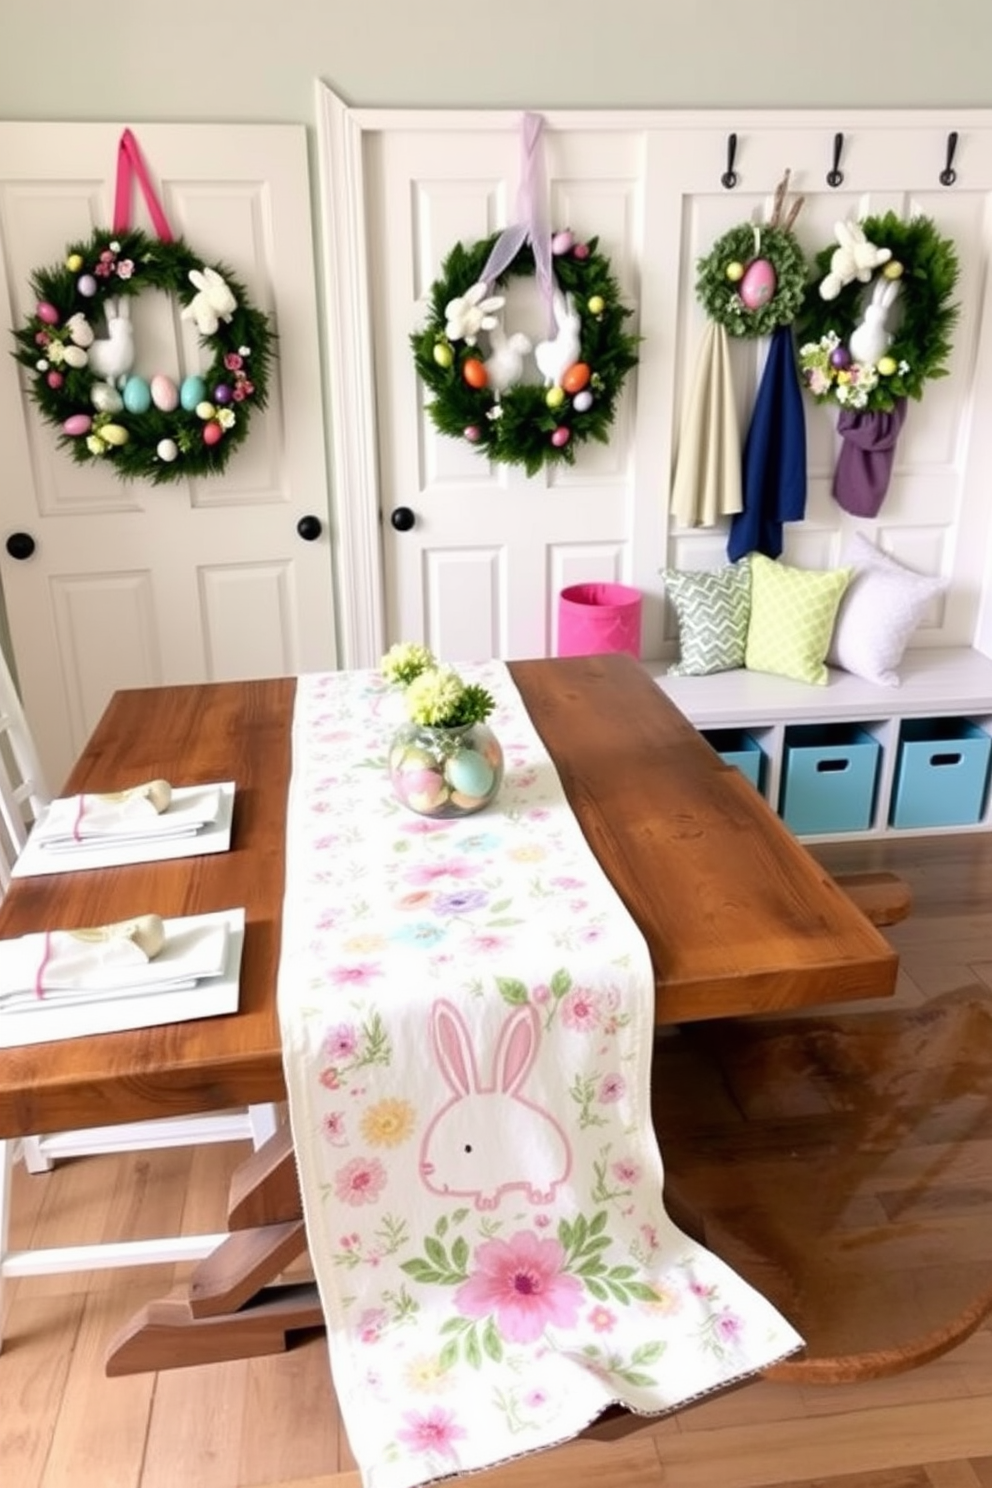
(562, 242)
(554, 397)
(576, 377)
(597, 305)
(475, 373)
(443, 354)
(887, 366)
(757, 287)
(735, 271)
(561, 436)
(139, 422)
(840, 357)
(582, 402)
(893, 269)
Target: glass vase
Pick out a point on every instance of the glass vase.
(445, 772)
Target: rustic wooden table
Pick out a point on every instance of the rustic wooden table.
(738, 917)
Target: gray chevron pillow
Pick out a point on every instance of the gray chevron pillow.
(713, 608)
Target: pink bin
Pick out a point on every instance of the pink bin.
(593, 618)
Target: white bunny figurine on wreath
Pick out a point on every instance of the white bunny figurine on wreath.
(855, 258)
(871, 339)
(213, 303)
(112, 357)
(554, 357)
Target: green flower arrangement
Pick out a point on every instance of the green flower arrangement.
(439, 698)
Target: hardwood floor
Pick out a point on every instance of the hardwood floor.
(272, 1423)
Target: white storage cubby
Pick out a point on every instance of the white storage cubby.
(936, 684)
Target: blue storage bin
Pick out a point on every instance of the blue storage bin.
(830, 772)
(942, 773)
(737, 748)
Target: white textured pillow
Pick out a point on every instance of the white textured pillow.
(883, 605)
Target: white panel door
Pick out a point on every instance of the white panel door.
(129, 584)
(478, 572)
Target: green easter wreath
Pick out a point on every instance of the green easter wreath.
(525, 423)
(722, 275)
(159, 431)
(925, 267)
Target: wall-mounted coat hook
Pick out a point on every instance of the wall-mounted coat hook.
(949, 175)
(729, 177)
(835, 176)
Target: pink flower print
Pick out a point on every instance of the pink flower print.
(332, 1127)
(580, 1011)
(486, 944)
(329, 1078)
(592, 933)
(541, 994)
(437, 1431)
(612, 1088)
(563, 882)
(535, 1399)
(371, 1323)
(700, 1289)
(340, 1042)
(521, 1280)
(462, 901)
(728, 1327)
(627, 1172)
(232, 361)
(360, 1182)
(602, 1320)
(427, 873)
(350, 1242)
(650, 1236)
(358, 975)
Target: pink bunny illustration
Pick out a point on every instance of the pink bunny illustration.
(488, 1139)
(554, 358)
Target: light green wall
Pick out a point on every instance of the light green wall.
(256, 61)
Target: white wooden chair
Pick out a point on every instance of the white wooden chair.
(23, 796)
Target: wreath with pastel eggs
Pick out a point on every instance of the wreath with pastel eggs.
(475, 371)
(78, 349)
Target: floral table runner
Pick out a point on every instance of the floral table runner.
(467, 1020)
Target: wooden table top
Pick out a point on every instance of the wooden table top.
(737, 915)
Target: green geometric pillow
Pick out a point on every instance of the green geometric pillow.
(712, 610)
(792, 618)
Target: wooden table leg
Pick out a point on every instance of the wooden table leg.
(230, 1309)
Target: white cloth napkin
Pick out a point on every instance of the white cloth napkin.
(72, 822)
(57, 968)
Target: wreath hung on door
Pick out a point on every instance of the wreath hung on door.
(478, 391)
(876, 321)
(78, 348)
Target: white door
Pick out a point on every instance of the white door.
(130, 584)
(489, 548)
(478, 573)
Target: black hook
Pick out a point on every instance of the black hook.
(949, 175)
(729, 177)
(835, 176)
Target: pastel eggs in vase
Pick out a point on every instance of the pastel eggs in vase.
(445, 772)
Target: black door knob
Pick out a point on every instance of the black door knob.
(21, 545)
(309, 528)
(402, 518)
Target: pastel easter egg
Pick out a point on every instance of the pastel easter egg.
(575, 377)
(475, 373)
(840, 357)
(114, 434)
(562, 242)
(167, 450)
(758, 284)
(468, 773)
(55, 380)
(580, 251)
(74, 263)
(582, 402)
(443, 354)
(223, 393)
(886, 366)
(75, 356)
(86, 285)
(596, 305)
(192, 391)
(165, 394)
(213, 433)
(560, 437)
(47, 313)
(105, 398)
(473, 433)
(205, 410)
(77, 423)
(137, 395)
(734, 271)
(554, 397)
(893, 269)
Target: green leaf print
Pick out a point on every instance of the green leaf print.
(561, 982)
(512, 991)
(437, 1269)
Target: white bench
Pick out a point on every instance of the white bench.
(937, 683)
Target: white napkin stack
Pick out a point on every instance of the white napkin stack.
(76, 822)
